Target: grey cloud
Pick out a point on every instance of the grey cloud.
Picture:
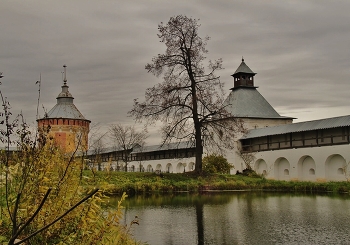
(299, 50)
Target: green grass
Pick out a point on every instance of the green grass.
(119, 182)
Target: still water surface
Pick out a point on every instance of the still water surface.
(240, 218)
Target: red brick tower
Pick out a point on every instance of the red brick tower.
(68, 126)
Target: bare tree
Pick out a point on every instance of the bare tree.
(125, 138)
(190, 101)
(95, 134)
(96, 146)
(247, 157)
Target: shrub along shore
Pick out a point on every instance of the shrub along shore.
(114, 183)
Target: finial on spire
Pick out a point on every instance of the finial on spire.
(65, 75)
(242, 59)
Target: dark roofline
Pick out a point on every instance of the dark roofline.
(326, 123)
(146, 149)
(82, 119)
(280, 117)
(165, 147)
(250, 87)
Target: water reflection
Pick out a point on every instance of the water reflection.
(200, 223)
(240, 218)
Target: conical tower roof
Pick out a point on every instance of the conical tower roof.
(243, 68)
(249, 103)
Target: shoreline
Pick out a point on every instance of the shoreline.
(115, 183)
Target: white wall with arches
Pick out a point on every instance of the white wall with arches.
(168, 165)
(327, 163)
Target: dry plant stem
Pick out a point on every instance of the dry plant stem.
(58, 218)
(5, 109)
(14, 221)
(17, 232)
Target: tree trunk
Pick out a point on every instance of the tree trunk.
(199, 151)
(126, 167)
(197, 129)
(126, 159)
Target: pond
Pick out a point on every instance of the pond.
(240, 218)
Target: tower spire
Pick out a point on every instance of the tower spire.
(65, 75)
(65, 95)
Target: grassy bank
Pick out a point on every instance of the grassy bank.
(119, 182)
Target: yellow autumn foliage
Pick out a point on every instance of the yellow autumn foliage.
(35, 171)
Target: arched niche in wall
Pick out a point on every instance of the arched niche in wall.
(159, 167)
(282, 169)
(307, 168)
(260, 167)
(180, 167)
(191, 166)
(169, 168)
(333, 166)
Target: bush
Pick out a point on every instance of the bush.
(216, 164)
(249, 173)
(42, 199)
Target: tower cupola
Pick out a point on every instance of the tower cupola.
(243, 76)
(65, 95)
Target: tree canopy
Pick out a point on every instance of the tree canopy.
(190, 100)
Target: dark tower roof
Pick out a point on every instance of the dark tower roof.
(65, 107)
(243, 68)
(245, 100)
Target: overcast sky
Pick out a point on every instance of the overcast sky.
(300, 51)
